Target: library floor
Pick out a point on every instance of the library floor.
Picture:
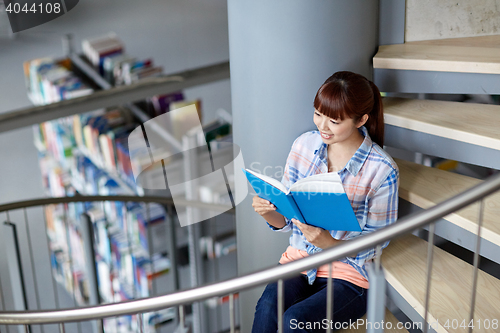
(178, 35)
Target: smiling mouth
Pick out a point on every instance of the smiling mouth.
(325, 136)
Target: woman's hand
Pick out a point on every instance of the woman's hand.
(316, 236)
(262, 206)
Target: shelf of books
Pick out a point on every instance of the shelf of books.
(125, 269)
(88, 154)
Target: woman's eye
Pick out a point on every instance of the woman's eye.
(334, 122)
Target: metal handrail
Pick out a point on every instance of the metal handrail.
(403, 226)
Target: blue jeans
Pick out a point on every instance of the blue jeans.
(305, 305)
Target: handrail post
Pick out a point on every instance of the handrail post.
(231, 313)
(281, 297)
(430, 255)
(190, 160)
(19, 265)
(87, 229)
(329, 298)
(89, 251)
(375, 314)
(476, 265)
(32, 261)
(140, 322)
(71, 262)
(182, 328)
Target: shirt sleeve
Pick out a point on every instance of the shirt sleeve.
(382, 211)
(285, 180)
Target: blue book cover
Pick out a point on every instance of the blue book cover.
(318, 200)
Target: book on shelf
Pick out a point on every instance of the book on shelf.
(131, 67)
(217, 130)
(144, 73)
(180, 104)
(160, 265)
(32, 71)
(161, 103)
(50, 81)
(96, 49)
(111, 64)
(127, 70)
(99, 134)
(162, 317)
(118, 69)
(221, 143)
(182, 122)
(318, 200)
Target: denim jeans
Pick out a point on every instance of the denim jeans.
(305, 305)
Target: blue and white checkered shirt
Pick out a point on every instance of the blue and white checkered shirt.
(370, 180)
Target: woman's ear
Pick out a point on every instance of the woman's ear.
(363, 120)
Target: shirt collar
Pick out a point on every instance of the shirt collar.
(359, 157)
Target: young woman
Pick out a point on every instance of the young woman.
(348, 113)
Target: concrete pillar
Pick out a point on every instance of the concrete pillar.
(281, 51)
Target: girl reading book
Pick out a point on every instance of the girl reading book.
(348, 114)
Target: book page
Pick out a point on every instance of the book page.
(270, 181)
(323, 183)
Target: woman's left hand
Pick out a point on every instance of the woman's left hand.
(316, 236)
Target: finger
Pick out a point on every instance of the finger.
(263, 201)
(264, 205)
(266, 202)
(257, 198)
(298, 224)
(264, 210)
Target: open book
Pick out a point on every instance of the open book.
(318, 200)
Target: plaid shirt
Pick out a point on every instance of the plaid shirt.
(370, 180)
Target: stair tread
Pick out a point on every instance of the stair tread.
(405, 262)
(389, 317)
(467, 122)
(425, 187)
(467, 55)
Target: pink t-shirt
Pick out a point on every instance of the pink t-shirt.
(340, 270)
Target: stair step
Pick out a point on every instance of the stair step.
(467, 122)
(405, 262)
(463, 55)
(390, 325)
(425, 187)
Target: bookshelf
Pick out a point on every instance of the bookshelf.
(74, 161)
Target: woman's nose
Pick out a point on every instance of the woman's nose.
(323, 124)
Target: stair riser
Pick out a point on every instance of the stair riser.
(411, 81)
(410, 140)
(455, 234)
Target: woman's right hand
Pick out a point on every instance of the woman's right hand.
(262, 206)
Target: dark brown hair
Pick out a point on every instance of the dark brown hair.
(350, 95)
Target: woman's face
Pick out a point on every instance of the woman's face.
(336, 130)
